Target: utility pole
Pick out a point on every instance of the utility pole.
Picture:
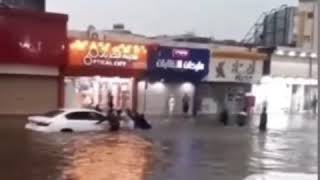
(318, 23)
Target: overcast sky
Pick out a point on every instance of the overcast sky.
(222, 19)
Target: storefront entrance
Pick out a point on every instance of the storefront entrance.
(103, 74)
(173, 74)
(154, 99)
(90, 92)
(285, 95)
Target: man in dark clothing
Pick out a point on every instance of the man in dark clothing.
(114, 121)
(314, 105)
(263, 120)
(110, 100)
(143, 123)
(224, 117)
(185, 104)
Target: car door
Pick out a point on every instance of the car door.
(83, 121)
(96, 117)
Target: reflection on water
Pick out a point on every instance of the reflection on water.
(114, 157)
(282, 152)
(202, 150)
(178, 149)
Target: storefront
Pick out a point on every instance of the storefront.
(229, 81)
(32, 50)
(104, 74)
(292, 84)
(173, 74)
(285, 95)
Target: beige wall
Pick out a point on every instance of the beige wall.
(307, 27)
(285, 66)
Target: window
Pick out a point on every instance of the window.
(307, 38)
(84, 116)
(96, 116)
(310, 15)
(53, 113)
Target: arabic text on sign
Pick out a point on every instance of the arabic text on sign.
(238, 67)
(243, 78)
(180, 64)
(105, 50)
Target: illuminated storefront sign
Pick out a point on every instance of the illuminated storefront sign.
(93, 53)
(180, 64)
(181, 59)
(171, 62)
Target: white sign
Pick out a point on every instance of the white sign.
(235, 70)
(180, 64)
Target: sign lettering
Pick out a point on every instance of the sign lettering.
(180, 64)
(220, 70)
(106, 54)
(235, 70)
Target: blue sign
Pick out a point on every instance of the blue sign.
(170, 63)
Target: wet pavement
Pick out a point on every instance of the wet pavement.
(175, 149)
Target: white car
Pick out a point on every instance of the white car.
(68, 120)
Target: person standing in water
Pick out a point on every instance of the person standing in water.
(185, 104)
(314, 104)
(263, 119)
(171, 104)
(110, 100)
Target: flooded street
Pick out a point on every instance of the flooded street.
(176, 149)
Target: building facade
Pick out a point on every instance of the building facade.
(233, 70)
(173, 76)
(33, 49)
(292, 83)
(103, 72)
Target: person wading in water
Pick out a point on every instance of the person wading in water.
(185, 104)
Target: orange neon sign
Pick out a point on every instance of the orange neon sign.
(94, 53)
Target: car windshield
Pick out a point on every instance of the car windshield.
(53, 113)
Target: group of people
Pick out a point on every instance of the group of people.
(242, 118)
(127, 119)
(185, 104)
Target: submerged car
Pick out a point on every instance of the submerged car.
(68, 120)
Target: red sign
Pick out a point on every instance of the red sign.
(107, 54)
(32, 37)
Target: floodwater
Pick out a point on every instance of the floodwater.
(176, 149)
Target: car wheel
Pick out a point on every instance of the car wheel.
(67, 130)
